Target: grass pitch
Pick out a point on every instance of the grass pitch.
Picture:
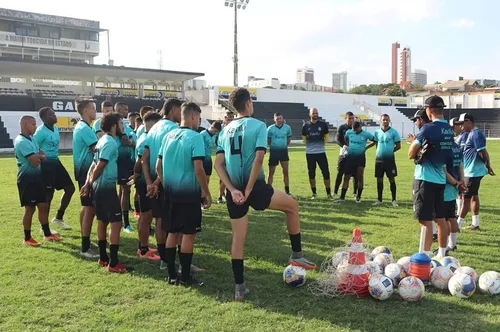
(51, 288)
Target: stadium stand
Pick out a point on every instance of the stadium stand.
(5, 141)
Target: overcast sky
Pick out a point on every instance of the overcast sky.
(448, 38)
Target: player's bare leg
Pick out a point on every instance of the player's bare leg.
(272, 170)
(286, 178)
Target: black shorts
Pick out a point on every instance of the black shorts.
(55, 176)
(387, 167)
(184, 218)
(472, 185)
(125, 170)
(144, 200)
(259, 199)
(322, 161)
(428, 199)
(84, 200)
(208, 166)
(353, 162)
(107, 205)
(158, 203)
(450, 210)
(31, 193)
(277, 156)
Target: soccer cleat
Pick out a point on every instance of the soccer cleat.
(453, 249)
(434, 237)
(53, 232)
(191, 282)
(436, 251)
(302, 262)
(148, 255)
(171, 281)
(472, 228)
(395, 203)
(377, 203)
(61, 223)
(52, 238)
(89, 254)
(358, 200)
(313, 197)
(163, 265)
(339, 200)
(102, 263)
(120, 268)
(240, 291)
(31, 242)
(153, 250)
(128, 229)
(193, 269)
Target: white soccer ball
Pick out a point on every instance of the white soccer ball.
(381, 250)
(294, 276)
(380, 287)
(462, 286)
(440, 276)
(383, 260)
(468, 270)
(405, 263)
(395, 272)
(340, 257)
(451, 262)
(411, 289)
(489, 283)
(341, 268)
(374, 268)
(435, 263)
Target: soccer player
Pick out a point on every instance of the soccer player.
(340, 138)
(228, 118)
(143, 111)
(388, 142)
(131, 121)
(101, 182)
(432, 150)
(208, 136)
(84, 141)
(31, 188)
(460, 138)
(279, 136)
(476, 166)
(146, 215)
(180, 169)
(126, 145)
(171, 116)
(315, 134)
(54, 175)
(355, 139)
(106, 107)
(240, 155)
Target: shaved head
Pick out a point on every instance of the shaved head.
(313, 114)
(28, 125)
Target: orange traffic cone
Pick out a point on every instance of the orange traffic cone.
(355, 280)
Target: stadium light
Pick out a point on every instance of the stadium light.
(236, 4)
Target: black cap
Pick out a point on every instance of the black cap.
(453, 121)
(435, 102)
(464, 117)
(420, 114)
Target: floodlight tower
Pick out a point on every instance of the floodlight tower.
(236, 4)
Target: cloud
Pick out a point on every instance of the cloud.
(463, 23)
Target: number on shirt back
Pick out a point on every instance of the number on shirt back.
(234, 149)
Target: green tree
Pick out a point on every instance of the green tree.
(268, 87)
(395, 90)
(437, 82)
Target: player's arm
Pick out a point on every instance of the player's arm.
(199, 171)
(159, 168)
(145, 166)
(256, 168)
(370, 145)
(289, 137)
(416, 145)
(326, 138)
(304, 133)
(127, 142)
(339, 138)
(97, 171)
(31, 154)
(397, 146)
(479, 142)
(220, 168)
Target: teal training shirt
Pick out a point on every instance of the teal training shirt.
(96, 127)
(357, 142)
(453, 168)
(141, 130)
(279, 136)
(208, 142)
(106, 150)
(126, 152)
(25, 147)
(48, 140)
(84, 138)
(239, 141)
(180, 148)
(155, 140)
(386, 142)
(139, 151)
(475, 142)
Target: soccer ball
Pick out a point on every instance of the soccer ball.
(395, 272)
(381, 250)
(451, 262)
(468, 270)
(341, 268)
(440, 276)
(405, 263)
(374, 268)
(383, 260)
(339, 258)
(380, 287)
(294, 276)
(435, 263)
(411, 289)
(462, 286)
(489, 283)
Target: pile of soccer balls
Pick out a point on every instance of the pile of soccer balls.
(447, 273)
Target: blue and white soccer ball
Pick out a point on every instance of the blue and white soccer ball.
(380, 287)
(489, 283)
(381, 250)
(461, 285)
(469, 271)
(294, 276)
(383, 260)
(395, 272)
(374, 268)
(451, 262)
(435, 263)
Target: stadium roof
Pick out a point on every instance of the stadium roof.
(77, 71)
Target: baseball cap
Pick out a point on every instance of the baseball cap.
(464, 117)
(434, 102)
(419, 114)
(453, 121)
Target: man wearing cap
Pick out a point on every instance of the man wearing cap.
(434, 142)
(420, 118)
(476, 165)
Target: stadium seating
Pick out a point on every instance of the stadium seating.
(50, 93)
(11, 92)
(5, 141)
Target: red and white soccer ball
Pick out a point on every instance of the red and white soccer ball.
(405, 263)
(440, 276)
(411, 289)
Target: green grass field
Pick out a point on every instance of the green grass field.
(51, 288)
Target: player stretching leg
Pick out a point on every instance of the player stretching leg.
(240, 154)
(279, 136)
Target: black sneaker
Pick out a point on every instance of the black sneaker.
(434, 237)
(453, 249)
(171, 281)
(436, 251)
(191, 282)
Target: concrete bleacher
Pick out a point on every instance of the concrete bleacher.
(5, 141)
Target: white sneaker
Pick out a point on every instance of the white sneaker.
(395, 203)
(358, 200)
(377, 203)
(61, 223)
(163, 265)
(89, 254)
(53, 232)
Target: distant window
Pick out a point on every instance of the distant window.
(94, 36)
(84, 35)
(459, 106)
(55, 33)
